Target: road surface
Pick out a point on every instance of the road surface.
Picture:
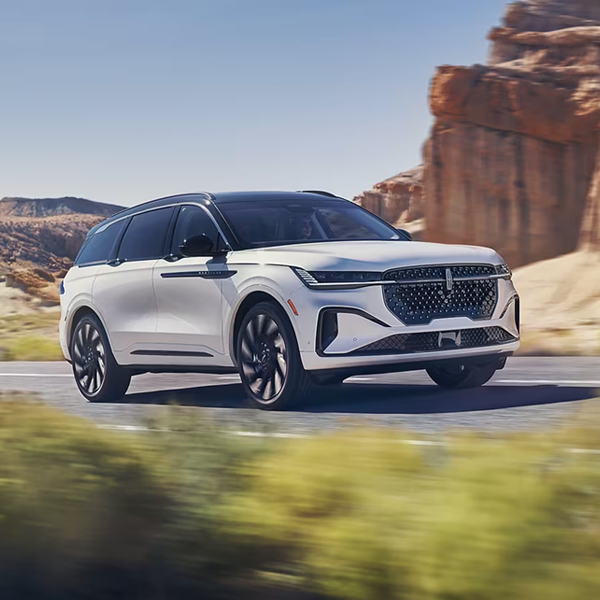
(531, 393)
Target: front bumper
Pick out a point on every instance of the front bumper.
(368, 335)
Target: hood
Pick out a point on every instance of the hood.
(367, 255)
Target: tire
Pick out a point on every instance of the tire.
(462, 377)
(97, 375)
(329, 382)
(269, 360)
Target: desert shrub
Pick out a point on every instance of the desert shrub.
(189, 511)
(88, 513)
(366, 516)
(33, 348)
(31, 336)
(76, 504)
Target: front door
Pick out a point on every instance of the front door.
(189, 296)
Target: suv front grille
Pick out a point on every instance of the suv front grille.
(410, 343)
(423, 294)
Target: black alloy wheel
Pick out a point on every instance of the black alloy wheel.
(269, 360)
(462, 376)
(98, 377)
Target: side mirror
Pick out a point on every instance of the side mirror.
(405, 235)
(198, 245)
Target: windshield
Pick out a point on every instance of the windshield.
(275, 223)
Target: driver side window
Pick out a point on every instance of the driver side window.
(193, 220)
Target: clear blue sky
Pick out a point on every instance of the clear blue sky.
(126, 100)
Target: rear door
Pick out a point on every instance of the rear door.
(123, 289)
(189, 294)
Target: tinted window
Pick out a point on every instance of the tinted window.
(344, 226)
(272, 222)
(193, 221)
(145, 236)
(99, 247)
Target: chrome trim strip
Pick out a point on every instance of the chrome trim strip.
(223, 274)
(176, 353)
(352, 286)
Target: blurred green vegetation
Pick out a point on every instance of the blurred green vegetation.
(189, 511)
(366, 516)
(31, 336)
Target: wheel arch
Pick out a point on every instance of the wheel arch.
(252, 299)
(77, 315)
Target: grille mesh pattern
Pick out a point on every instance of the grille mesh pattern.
(439, 272)
(419, 303)
(409, 343)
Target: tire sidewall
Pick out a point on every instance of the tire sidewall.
(471, 377)
(113, 371)
(295, 370)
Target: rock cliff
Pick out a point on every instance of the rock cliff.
(512, 161)
(513, 150)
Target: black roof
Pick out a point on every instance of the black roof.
(220, 198)
(226, 197)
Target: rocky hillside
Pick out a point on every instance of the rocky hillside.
(513, 152)
(52, 207)
(39, 240)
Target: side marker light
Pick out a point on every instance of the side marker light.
(293, 307)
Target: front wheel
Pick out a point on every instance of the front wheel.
(462, 376)
(269, 360)
(98, 376)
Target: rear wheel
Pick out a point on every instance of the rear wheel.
(462, 376)
(269, 360)
(98, 376)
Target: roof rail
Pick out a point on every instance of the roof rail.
(320, 192)
(134, 209)
(208, 195)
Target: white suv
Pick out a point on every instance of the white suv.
(289, 290)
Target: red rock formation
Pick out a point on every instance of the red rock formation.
(51, 243)
(590, 231)
(513, 148)
(398, 200)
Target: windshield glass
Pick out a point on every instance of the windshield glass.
(275, 223)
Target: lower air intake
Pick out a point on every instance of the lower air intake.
(411, 343)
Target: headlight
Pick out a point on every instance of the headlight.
(504, 270)
(336, 279)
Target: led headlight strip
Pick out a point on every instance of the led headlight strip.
(337, 279)
(357, 279)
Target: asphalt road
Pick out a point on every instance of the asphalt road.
(531, 393)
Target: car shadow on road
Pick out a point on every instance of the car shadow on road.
(378, 398)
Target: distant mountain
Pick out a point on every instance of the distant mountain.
(51, 207)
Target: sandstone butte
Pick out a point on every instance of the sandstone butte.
(512, 161)
(398, 200)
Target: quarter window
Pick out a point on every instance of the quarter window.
(100, 246)
(193, 221)
(145, 236)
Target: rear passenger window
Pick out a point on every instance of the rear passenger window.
(192, 221)
(98, 249)
(145, 236)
